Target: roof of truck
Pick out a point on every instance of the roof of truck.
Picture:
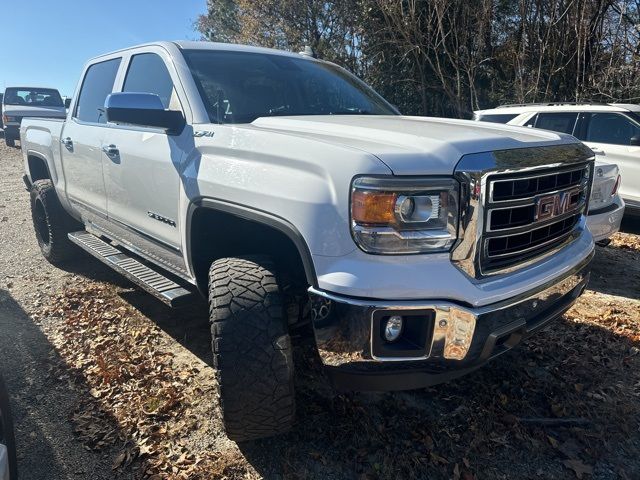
(198, 45)
(191, 45)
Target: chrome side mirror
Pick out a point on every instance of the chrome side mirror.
(144, 110)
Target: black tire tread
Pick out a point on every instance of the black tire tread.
(251, 348)
(59, 248)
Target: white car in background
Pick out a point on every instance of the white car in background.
(612, 131)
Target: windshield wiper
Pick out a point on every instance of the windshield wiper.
(352, 111)
(281, 110)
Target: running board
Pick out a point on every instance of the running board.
(150, 280)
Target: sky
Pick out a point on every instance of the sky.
(45, 43)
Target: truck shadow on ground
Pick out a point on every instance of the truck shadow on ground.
(630, 224)
(616, 271)
(43, 391)
(566, 398)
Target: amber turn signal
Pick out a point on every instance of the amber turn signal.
(371, 207)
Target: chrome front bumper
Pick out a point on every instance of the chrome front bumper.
(458, 339)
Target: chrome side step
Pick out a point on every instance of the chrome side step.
(155, 283)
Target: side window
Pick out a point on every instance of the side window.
(148, 74)
(97, 84)
(611, 128)
(562, 122)
(532, 121)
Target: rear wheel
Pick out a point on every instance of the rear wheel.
(7, 440)
(251, 348)
(52, 223)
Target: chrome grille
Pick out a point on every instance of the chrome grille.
(503, 225)
(530, 214)
(528, 186)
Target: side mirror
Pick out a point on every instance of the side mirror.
(67, 102)
(142, 109)
(635, 141)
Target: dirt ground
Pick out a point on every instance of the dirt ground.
(106, 382)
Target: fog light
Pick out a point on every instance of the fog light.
(393, 328)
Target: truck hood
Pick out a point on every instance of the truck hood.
(39, 111)
(412, 145)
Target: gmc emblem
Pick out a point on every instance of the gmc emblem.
(551, 206)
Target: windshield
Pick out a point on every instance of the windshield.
(238, 87)
(33, 97)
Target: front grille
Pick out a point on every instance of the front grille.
(529, 214)
(518, 188)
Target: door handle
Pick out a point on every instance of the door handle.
(67, 142)
(111, 151)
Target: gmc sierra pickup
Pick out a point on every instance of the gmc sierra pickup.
(288, 192)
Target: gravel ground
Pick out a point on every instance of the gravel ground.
(66, 337)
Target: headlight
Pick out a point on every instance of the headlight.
(401, 216)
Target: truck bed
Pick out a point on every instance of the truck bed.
(40, 137)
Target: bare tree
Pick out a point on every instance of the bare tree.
(449, 57)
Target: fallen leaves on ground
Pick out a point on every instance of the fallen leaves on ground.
(115, 351)
(626, 241)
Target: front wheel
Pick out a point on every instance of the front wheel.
(11, 142)
(251, 348)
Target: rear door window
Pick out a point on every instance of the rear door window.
(97, 84)
(612, 128)
(563, 122)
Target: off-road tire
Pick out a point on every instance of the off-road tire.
(251, 348)
(11, 142)
(6, 432)
(52, 223)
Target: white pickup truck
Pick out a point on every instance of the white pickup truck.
(289, 193)
(28, 102)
